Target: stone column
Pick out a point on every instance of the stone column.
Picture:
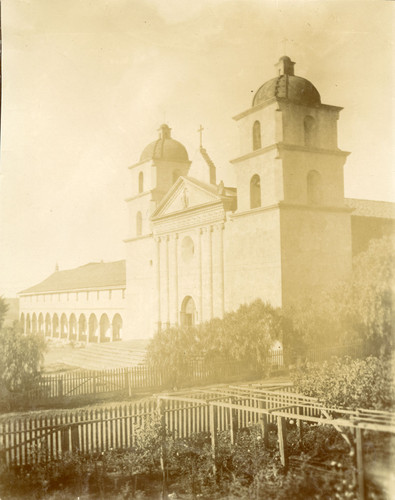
(199, 239)
(175, 248)
(159, 321)
(210, 240)
(167, 281)
(220, 229)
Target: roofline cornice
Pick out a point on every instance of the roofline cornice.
(188, 211)
(135, 238)
(155, 160)
(289, 147)
(74, 290)
(266, 103)
(285, 205)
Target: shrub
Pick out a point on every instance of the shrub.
(344, 382)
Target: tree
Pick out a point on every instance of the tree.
(244, 335)
(3, 311)
(359, 309)
(368, 300)
(21, 357)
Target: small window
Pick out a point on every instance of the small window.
(87, 295)
(123, 294)
(256, 136)
(109, 294)
(141, 182)
(314, 188)
(98, 295)
(139, 224)
(255, 191)
(76, 296)
(68, 296)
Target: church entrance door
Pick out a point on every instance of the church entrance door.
(188, 312)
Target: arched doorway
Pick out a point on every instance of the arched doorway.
(73, 327)
(104, 328)
(28, 327)
(63, 326)
(48, 325)
(41, 324)
(92, 328)
(82, 328)
(188, 312)
(34, 323)
(55, 326)
(117, 327)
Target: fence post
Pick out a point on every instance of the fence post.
(127, 381)
(75, 438)
(161, 411)
(264, 424)
(360, 464)
(213, 419)
(299, 422)
(60, 387)
(282, 440)
(94, 382)
(233, 423)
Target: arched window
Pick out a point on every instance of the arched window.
(256, 136)
(187, 249)
(314, 187)
(141, 182)
(255, 191)
(309, 126)
(139, 224)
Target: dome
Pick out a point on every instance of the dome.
(165, 148)
(288, 86)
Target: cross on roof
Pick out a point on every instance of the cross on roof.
(200, 130)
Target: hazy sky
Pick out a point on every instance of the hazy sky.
(86, 84)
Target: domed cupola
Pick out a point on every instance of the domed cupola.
(165, 148)
(287, 86)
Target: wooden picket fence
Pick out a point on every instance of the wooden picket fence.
(127, 381)
(47, 436)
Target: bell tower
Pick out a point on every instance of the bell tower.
(160, 164)
(290, 180)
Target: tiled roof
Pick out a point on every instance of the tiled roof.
(370, 208)
(92, 275)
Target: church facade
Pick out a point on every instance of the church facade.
(197, 249)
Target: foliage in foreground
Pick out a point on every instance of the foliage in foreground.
(244, 335)
(21, 357)
(346, 382)
(322, 469)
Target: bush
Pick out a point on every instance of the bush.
(344, 382)
(242, 336)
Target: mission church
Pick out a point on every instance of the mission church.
(197, 249)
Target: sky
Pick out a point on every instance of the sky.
(87, 83)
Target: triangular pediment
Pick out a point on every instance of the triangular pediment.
(186, 193)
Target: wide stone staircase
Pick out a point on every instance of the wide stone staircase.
(96, 356)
